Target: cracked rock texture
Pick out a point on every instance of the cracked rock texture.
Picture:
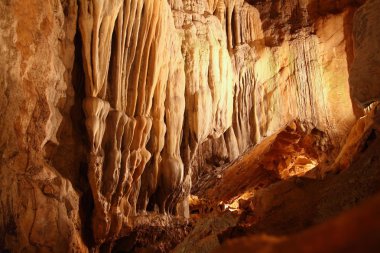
(114, 110)
(39, 207)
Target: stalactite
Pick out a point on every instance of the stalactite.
(168, 79)
(113, 111)
(120, 123)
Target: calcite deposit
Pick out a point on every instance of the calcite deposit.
(117, 115)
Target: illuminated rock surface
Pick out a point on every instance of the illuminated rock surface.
(135, 124)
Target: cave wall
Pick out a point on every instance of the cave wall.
(364, 74)
(125, 103)
(39, 207)
(286, 61)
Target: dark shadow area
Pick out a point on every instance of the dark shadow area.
(70, 157)
(70, 153)
(150, 238)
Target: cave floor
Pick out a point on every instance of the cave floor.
(266, 205)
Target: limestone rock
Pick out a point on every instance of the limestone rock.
(114, 109)
(40, 209)
(364, 74)
(351, 232)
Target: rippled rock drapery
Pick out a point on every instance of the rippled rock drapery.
(135, 103)
(232, 79)
(285, 56)
(170, 88)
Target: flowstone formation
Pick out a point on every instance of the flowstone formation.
(164, 80)
(116, 112)
(135, 105)
(126, 86)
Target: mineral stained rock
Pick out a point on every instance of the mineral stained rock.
(112, 109)
(40, 209)
(364, 74)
